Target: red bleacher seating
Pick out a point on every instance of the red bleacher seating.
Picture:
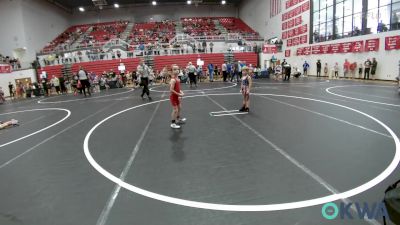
(96, 67)
(50, 70)
(105, 31)
(248, 57)
(199, 26)
(152, 32)
(67, 37)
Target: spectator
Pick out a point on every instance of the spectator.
(373, 67)
(2, 98)
(319, 66)
(305, 68)
(367, 66)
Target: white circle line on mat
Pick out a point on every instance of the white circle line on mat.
(82, 99)
(248, 208)
(329, 90)
(41, 130)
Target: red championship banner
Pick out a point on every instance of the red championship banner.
(334, 48)
(325, 49)
(392, 43)
(284, 35)
(290, 14)
(372, 45)
(296, 31)
(316, 50)
(296, 41)
(303, 29)
(305, 7)
(295, 2)
(346, 47)
(289, 43)
(290, 34)
(298, 10)
(269, 49)
(307, 51)
(5, 68)
(358, 46)
(284, 26)
(290, 23)
(300, 51)
(303, 39)
(287, 53)
(297, 21)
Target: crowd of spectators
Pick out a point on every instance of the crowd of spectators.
(14, 62)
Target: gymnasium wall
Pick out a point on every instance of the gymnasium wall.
(158, 13)
(27, 25)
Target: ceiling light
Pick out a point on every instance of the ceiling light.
(116, 5)
(154, 3)
(189, 2)
(223, 2)
(81, 9)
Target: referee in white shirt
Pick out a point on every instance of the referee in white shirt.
(143, 72)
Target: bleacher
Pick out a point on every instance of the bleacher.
(199, 26)
(152, 32)
(248, 57)
(67, 37)
(235, 25)
(149, 32)
(159, 63)
(96, 67)
(103, 32)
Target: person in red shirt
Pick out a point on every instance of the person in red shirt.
(176, 94)
(346, 68)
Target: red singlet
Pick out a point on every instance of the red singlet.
(174, 97)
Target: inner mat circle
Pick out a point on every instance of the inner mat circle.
(228, 207)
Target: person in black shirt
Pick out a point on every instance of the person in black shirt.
(11, 89)
(319, 66)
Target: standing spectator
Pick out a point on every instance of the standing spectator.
(28, 90)
(191, 71)
(373, 68)
(319, 66)
(336, 69)
(288, 70)
(143, 73)
(353, 67)
(346, 68)
(326, 70)
(84, 80)
(211, 47)
(367, 65)
(229, 70)
(55, 82)
(283, 63)
(305, 68)
(199, 71)
(278, 71)
(204, 46)
(360, 70)
(224, 71)
(211, 72)
(11, 90)
(2, 99)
